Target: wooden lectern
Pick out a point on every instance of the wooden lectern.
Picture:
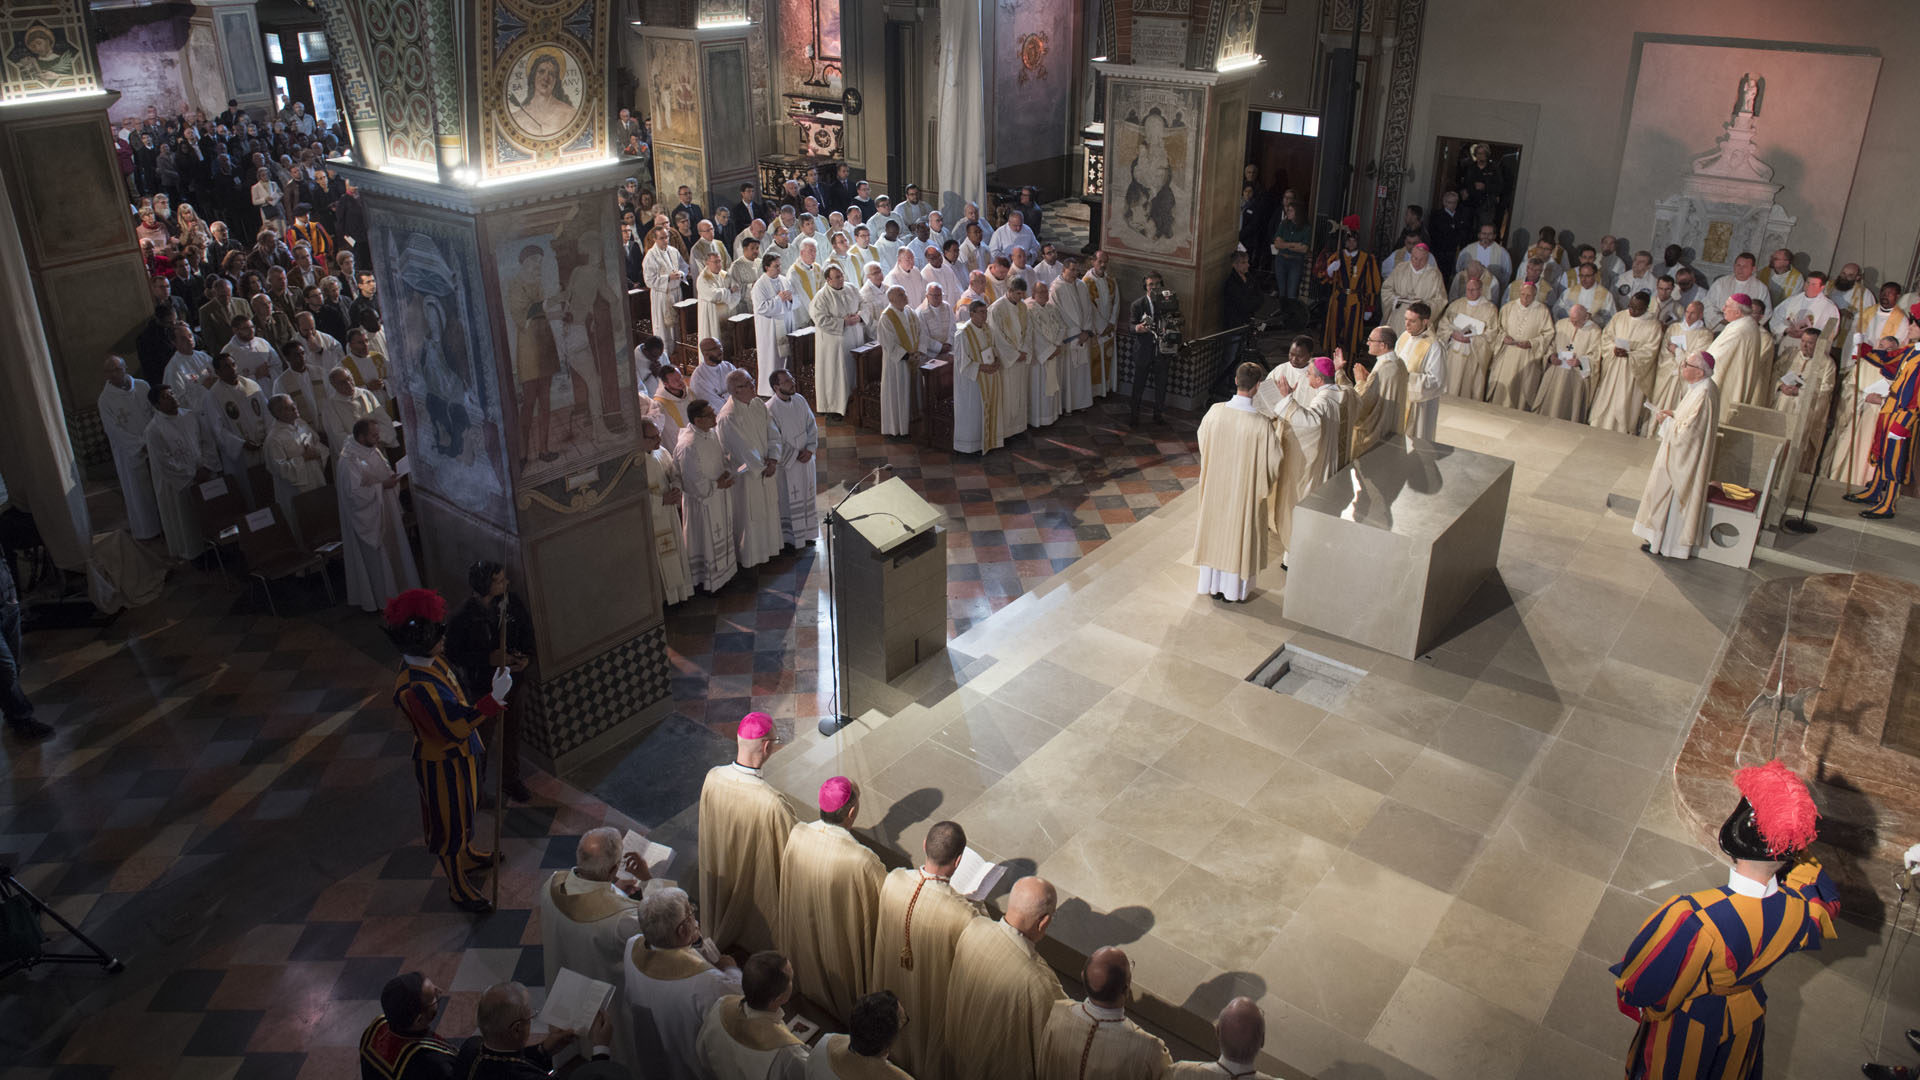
(800, 362)
(936, 403)
(888, 559)
(740, 345)
(864, 402)
(688, 345)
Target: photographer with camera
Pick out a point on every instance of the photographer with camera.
(1156, 338)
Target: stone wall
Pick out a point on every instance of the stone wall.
(154, 55)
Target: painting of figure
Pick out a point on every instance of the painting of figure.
(543, 93)
(573, 395)
(1151, 168)
(1237, 29)
(1033, 78)
(42, 57)
(672, 91)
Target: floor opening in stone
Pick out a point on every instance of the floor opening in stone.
(1320, 681)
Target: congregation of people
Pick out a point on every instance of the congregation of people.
(923, 981)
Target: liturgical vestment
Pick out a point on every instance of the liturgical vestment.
(1516, 368)
(1564, 387)
(997, 1004)
(1737, 364)
(1241, 455)
(752, 444)
(744, 824)
(664, 998)
(739, 1043)
(1381, 407)
(833, 1059)
(1678, 342)
(1085, 1041)
(798, 433)
(585, 926)
(918, 925)
(1470, 360)
(1675, 500)
(1626, 382)
(829, 894)
(1218, 1069)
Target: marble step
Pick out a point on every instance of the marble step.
(1796, 561)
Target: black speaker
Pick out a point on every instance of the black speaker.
(1336, 138)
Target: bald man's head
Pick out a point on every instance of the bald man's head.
(1030, 906)
(1109, 976)
(505, 1014)
(1242, 1029)
(946, 842)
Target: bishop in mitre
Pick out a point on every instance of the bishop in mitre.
(669, 979)
(1241, 1032)
(1526, 339)
(663, 500)
(1003, 989)
(1313, 416)
(1241, 473)
(1743, 376)
(920, 921)
(1470, 328)
(1629, 347)
(1564, 387)
(744, 825)
(829, 894)
(1415, 279)
(1093, 1039)
(1674, 504)
(753, 449)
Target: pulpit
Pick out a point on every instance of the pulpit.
(864, 402)
(889, 563)
(800, 362)
(687, 313)
(737, 339)
(936, 408)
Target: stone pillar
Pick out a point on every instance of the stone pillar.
(236, 34)
(508, 337)
(71, 205)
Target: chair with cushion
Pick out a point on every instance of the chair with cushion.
(1746, 465)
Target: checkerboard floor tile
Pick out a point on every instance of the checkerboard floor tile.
(227, 804)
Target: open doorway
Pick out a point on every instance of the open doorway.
(1453, 165)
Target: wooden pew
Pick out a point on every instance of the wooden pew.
(936, 403)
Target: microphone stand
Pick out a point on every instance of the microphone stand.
(1803, 526)
(837, 716)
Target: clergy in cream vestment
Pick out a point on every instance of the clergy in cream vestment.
(798, 474)
(238, 423)
(919, 922)
(829, 897)
(1628, 348)
(1050, 338)
(1381, 399)
(663, 502)
(664, 271)
(377, 557)
(718, 296)
(861, 1055)
(1002, 990)
(1738, 368)
(836, 314)
(902, 346)
(1076, 310)
(1414, 280)
(586, 919)
(1012, 330)
(1804, 392)
(1565, 386)
(1313, 415)
(805, 279)
(1241, 1032)
(753, 449)
(1469, 329)
(977, 381)
(1674, 503)
(1850, 447)
(1426, 362)
(1241, 457)
(1093, 1039)
(668, 983)
(744, 824)
(706, 501)
(180, 455)
(1104, 292)
(125, 413)
(295, 457)
(344, 406)
(1681, 340)
(739, 1041)
(709, 381)
(773, 307)
(1526, 337)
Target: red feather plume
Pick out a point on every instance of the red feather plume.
(1781, 806)
(416, 604)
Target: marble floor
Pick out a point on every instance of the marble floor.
(1427, 878)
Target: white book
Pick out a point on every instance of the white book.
(573, 1001)
(1793, 379)
(1468, 325)
(403, 466)
(975, 877)
(657, 856)
(1882, 387)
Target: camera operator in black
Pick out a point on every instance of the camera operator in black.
(1156, 312)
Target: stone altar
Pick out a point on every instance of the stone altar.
(1387, 552)
(1726, 202)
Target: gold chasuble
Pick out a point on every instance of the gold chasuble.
(1085, 1041)
(829, 894)
(997, 1004)
(833, 1059)
(919, 923)
(1241, 500)
(744, 824)
(1674, 502)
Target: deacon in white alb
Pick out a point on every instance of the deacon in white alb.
(379, 560)
(772, 319)
(753, 448)
(799, 440)
(125, 413)
(706, 502)
(902, 347)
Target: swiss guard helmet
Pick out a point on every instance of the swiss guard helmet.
(416, 621)
(1775, 819)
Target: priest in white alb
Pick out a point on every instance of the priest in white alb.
(376, 553)
(180, 455)
(1469, 329)
(1103, 289)
(1013, 343)
(1488, 252)
(706, 500)
(1241, 456)
(773, 306)
(1673, 506)
(1680, 340)
(937, 321)
(664, 272)
(668, 982)
(1076, 310)
(712, 374)
(1380, 392)
(745, 1035)
(798, 436)
(918, 925)
(744, 824)
(978, 379)
(829, 898)
(1742, 375)
(807, 276)
(836, 318)
(586, 918)
(717, 295)
(345, 405)
(1804, 392)
(753, 447)
(1094, 1039)
(1806, 313)
(1002, 989)
(1526, 339)
(1565, 387)
(238, 422)
(1426, 362)
(663, 504)
(295, 457)
(1628, 350)
(1862, 390)
(1051, 339)
(125, 413)
(902, 347)
(1588, 291)
(1415, 279)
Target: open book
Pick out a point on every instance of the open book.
(657, 856)
(976, 877)
(573, 1001)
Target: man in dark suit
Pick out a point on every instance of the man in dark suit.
(863, 199)
(632, 252)
(750, 206)
(1155, 308)
(1453, 227)
(686, 205)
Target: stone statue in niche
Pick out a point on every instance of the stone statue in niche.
(1726, 204)
(1752, 89)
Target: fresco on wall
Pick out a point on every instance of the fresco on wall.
(809, 40)
(1151, 168)
(543, 88)
(730, 121)
(43, 49)
(1033, 58)
(676, 165)
(1237, 29)
(573, 395)
(437, 348)
(673, 93)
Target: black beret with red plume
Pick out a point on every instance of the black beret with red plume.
(415, 621)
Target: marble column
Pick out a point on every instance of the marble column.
(506, 329)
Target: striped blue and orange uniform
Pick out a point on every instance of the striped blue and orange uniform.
(446, 752)
(1692, 976)
(1893, 456)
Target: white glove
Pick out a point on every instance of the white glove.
(1913, 859)
(502, 682)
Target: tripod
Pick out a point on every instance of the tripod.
(20, 936)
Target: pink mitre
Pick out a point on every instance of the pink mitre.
(835, 794)
(1742, 299)
(755, 725)
(1323, 365)
(1706, 361)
